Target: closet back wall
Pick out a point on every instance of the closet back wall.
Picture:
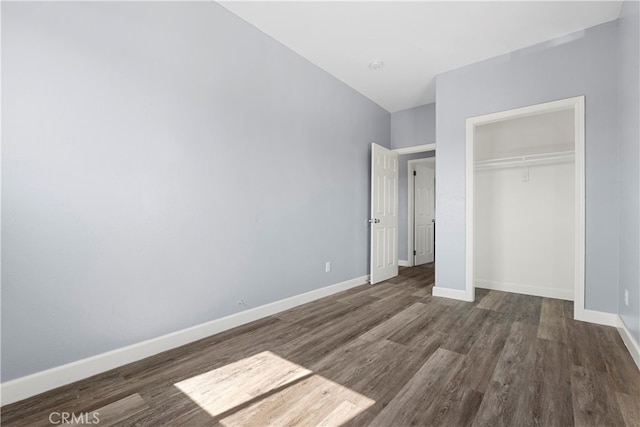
(525, 208)
(524, 235)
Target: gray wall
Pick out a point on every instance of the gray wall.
(414, 126)
(583, 63)
(411, 127)
(162, 160)
(629, 158)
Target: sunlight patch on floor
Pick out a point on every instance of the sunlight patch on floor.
(266, 389)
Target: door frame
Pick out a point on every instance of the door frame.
(578, 106)
(416, 149)
(411, 194)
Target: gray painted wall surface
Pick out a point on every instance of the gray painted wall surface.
(414, 126)
(629, 158)
(403, 201)
(411, 127)
(583, 63)
(161, 161)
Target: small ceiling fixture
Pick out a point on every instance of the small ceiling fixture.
(376, 65)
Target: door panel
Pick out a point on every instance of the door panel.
(384, 214)
(424, 216)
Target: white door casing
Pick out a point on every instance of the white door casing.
(384, 214)
(424, 217)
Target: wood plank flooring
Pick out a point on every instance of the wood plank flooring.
(384, 355)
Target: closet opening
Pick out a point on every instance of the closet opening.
(525, 201)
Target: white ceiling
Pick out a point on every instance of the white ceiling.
(416, 40)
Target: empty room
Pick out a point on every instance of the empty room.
(320, 213)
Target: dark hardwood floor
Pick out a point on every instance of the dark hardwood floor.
(384, 355)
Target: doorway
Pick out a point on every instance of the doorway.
(406, 235)
(387, 216)
(525, 201)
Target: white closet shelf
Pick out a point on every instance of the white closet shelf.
(525, 160)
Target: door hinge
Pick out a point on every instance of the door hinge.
(414, 173)
(414, 252)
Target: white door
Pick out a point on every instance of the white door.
(384, 214)
(424, 216)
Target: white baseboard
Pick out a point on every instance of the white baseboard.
(404, 263)
(629, 341)
(31, 385)
(526, 289)
(459, 294)
(598, 317)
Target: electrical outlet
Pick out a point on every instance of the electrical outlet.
(626, 297)
(327, 266)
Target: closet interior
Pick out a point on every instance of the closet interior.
(524, 205)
